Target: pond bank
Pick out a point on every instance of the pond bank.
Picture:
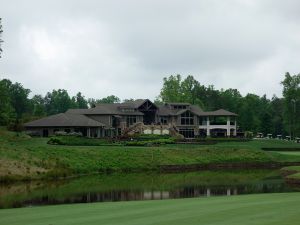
(162, 169)
(218, 166)
(291, 175)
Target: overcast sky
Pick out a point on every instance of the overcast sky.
(126, 47)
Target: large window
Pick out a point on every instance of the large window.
(131, 120)
(187, 118)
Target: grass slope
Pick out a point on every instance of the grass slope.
(22, 157)
(264, 209)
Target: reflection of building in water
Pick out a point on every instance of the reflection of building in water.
(129, 195)
(156, 195)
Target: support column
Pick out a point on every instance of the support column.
(98, 132)
(228, 192)
(228, 126)
(207, 192)
(234, 132)
(207, 127)
(88, 132)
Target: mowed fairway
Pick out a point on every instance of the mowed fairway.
(281, 209)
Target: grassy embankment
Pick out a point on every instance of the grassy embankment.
(264, 209)
(22, 157)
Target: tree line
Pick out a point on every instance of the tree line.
(256, 113)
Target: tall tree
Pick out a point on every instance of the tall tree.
(38, 105)
(19, 99)
(277, 109)
(189, 88)
(6, 109)
(291, 94)
(80, 101)
(58, 101)
(109, 99)
(171, 90)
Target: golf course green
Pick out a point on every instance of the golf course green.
(264, 209)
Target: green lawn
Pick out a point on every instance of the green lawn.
(22, 157)
(264, 209)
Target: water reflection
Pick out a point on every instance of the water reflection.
(127, 187)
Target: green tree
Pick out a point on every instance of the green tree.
(291, 94)
(230, 100)
(80, 101)
(38, 105)
(171, 90)
(190, 88)
(109, 99)
(6, 109)
(19, 99)
(249, 113)
(277, 109)
(58, 101)
(128, 100)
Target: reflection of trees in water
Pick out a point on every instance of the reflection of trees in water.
(184, 192)
(128, 187)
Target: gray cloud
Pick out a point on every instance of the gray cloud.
(126, 47)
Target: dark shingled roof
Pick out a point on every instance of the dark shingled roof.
(112, 109)
(220, 112)
(65, 120)
(107, 109)
(165, 110)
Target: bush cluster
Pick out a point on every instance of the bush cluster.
(79, 141)
(145, 137)
(154, 142)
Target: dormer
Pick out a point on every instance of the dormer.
(126, 109)
(178, 106)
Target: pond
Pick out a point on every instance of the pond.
(141, 186)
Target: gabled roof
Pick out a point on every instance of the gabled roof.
(219, 112)
(106, 109)
(165, 110)
(126, 108)
(65, 120)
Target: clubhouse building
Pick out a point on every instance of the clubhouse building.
(139, 116)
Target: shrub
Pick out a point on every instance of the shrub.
(55, 141)
(142, 137)
(79, 141)
(151, 142)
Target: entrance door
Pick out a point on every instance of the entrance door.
(45, 133)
